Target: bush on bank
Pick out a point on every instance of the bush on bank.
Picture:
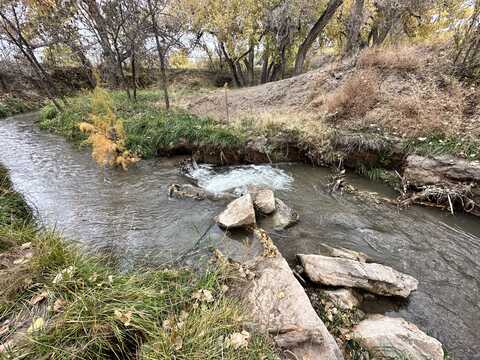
(11, 105)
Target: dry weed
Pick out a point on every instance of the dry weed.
(403, 58)
(355, 97)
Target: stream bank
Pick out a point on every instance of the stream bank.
(82, 201)
(153, 132)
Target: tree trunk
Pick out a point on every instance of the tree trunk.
(164, 77)
(231, 65)
(134, 73)
(161, 56)
(353, 28)
(102, 33)
(251, 65)
(266, 59)
(313, 34)
(239, 70)
(122, 73)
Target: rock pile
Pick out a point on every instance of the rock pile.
(383, 337)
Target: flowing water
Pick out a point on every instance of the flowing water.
(129, 216)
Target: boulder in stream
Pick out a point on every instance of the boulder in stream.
(376, 278)
(239, 213)
(280, 306)
(263, 199)
(394, 338)
(283, 217)
(445, 179)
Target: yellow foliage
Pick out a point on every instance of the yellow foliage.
(106, 133)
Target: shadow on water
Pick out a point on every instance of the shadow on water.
(129, 216)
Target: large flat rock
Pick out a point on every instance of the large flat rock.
(376, 278)
(394, 338)
(421, 170)
(239, 213)
(280, 306)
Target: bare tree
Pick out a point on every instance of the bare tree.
(167, 30)
(11, 24)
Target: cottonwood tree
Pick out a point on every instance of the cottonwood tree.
(236, 26)
(314, 32)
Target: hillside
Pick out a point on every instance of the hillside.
(405, 92)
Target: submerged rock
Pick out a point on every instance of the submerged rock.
(392, 338)
(346, 299)
(239, 213)
(263, 199)
(343, 253)
(184, 191)
(283, 217)
(376, 278)
(279, 305)
(239, 245)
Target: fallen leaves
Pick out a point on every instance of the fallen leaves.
(65, 274)
(38, 298)
(177, 342)
(203, 295)
(59, 305)
(238, 340)
(37, 324)
(124, 317)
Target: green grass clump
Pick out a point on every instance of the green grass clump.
(147, 133)
(150, 129)
(148, 315)
(66, 122)
(12, 106)
(439, 144)
(14, 211)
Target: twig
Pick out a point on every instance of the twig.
(450, 203)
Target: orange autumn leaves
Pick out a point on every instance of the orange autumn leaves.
(106, 134)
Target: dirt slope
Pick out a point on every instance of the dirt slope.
(407, 92)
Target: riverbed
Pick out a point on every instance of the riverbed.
(129, 217)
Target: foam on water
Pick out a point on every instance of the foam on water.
(237, 178)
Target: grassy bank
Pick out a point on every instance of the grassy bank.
(11, 105)
(58, 303)
(149, 128)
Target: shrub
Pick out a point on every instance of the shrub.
(355, 97)
(48, 112)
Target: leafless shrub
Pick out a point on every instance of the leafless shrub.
(355, 97)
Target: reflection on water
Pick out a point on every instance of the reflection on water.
(129, 216)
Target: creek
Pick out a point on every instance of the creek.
(129, 217)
